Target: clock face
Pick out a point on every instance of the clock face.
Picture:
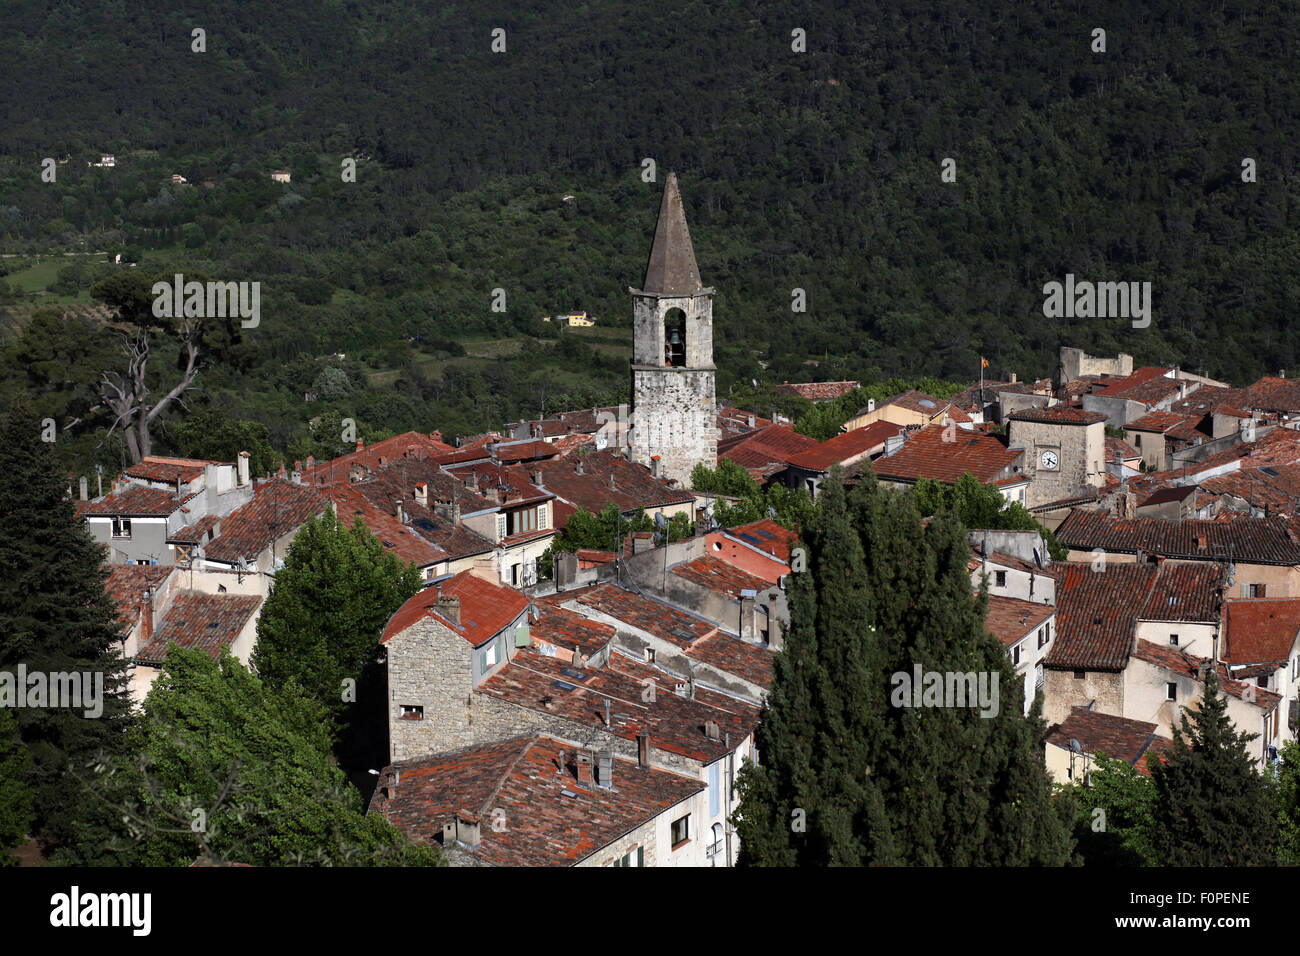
(1049, 460)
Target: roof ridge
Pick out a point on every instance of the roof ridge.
(505, 774)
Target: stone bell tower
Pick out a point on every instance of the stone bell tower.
(674, 404)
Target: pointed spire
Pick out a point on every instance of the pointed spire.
(672, 269)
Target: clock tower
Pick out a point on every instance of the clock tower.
(674, 404)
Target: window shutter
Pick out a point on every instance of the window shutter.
(501, 526)
(640, 856)
(541, 517)
(715, 786)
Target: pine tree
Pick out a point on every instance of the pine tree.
(1212, 808)
(15, 798)
(57, 618)
(882, 781)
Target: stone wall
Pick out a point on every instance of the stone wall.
(1080, 451)
(675, 418)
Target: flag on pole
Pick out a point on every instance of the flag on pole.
(984, 363)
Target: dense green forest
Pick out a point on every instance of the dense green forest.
(815, 170)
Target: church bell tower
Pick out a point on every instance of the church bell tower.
(674, 402)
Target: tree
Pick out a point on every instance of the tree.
(1212, 808)
(982, 506)
(208, 432)
(202, 340)
(323, 621)
(1114, 824)
(232, 771)
(57, 619)
(1287, 792)
(874, 778)
(15, 799)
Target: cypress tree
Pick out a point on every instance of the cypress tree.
(58, 618)
(1212, 808)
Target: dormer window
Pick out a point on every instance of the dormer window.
(121, 527)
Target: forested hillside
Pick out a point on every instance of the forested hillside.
(817, 170)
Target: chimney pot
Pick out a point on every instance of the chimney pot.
(85, 488)
(586, 769)
(643, 749)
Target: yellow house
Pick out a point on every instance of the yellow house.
(580, 319)
(910, 408)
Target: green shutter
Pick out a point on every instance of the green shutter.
(640, 856)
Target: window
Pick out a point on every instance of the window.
(1137, 441)
(715, 847)
(634, 857)
(649, 655)
(1171, 691)
(1000, 579)
(1015, 655)
(501, 526)
(675, 338)
(525, 519)
(1257, 590)
(1173, 639)
(1042, 636)
(1080, 675)
(490, 657)
(681, 831)
(412, 712)
(514, 575)
(122, 528)
(715, 787)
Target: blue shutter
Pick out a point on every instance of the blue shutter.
(715, 787)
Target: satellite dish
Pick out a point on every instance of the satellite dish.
(1075, 746)
(771, 512)
(242, 563)
(659, 520)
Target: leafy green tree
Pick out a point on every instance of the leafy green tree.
(1114, 824)
(57, 618)
(323, 620)
(1212, 807)
(1287, 792)
(332, 383)
(874, 779)
(208, 432)
(728, 478)
(235, 772)
(982, 506)
(16, 810)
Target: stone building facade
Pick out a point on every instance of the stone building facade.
(674, 402)
(1065, 451)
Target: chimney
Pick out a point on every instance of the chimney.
(578, 469)
(537, 477)
(607, 717)
(311, 462)
(146, 614)
(455, 511)
(643, 749)
(448, 607)
(586, 769)
(242, 460)
(467, 828)
(712, 730)
(606, 778)
(654, 466)
(436, 435)
(422, 494)
(1013, 378)
(399, 513)
(361, 445)
(751, 420)
(471, 483)
(85, 489)
(611, 481)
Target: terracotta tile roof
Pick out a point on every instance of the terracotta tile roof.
(1280, 395)
(136, 501)
(1274, 487)
(633, 485)
(1116, 737)
(720, 577)
(1189, 665)
(570, 443)
(1057, 415)
(926, 455)
(568, 629)
(1209, 399)
(596, 557)
(407, 445)
(1119, 446)
(769, 445)
(276, 509)
(1260, 630)
(1164, 495)
(485, 608)
(1097, 611)
(854, 444)
(205, 622)
(676, 724)
(1156, 422)
(155, 468)
(767, 536)
(524, 451)
(420, 543)
(127, 583)
(734, 422)
(1010, 619)
(734, 656)
(817, 391)
(1127, 386)
(1241, 538)
(551, 819)
(647, 614)
(915, 401)
(197, 532)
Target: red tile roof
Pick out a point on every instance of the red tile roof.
(127, 583)
(277, 508)
(206, 622)
(136, 501)
(1124, 387)
(926, 455)
(816, 391)
(1010, 619)
(734, 422)
(156, 468)
(407, 445)
(767, 536)
(197, 532)
(915, 401)
(1240, 538)
(1260, 631)
(1189, 665)
(1057, 415)
(1120, 446)
(770, 445)
(632, 486)
(837, 450)
(524, 451)
(1116, 737)
(1097, 610)
(485, 608)
(720, 577)
(1156, 422)
(1274, 395)
(549, 818)
(676, 724)
(568, 629)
